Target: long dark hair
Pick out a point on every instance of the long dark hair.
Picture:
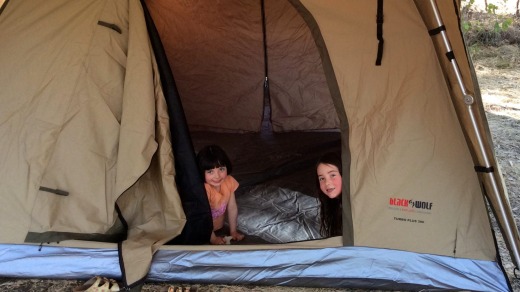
(331, 209)
(212, 156)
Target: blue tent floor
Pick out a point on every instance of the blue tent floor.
(333, 267)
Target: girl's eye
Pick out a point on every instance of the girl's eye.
(222, 168)
(320, 178)
(210, 171)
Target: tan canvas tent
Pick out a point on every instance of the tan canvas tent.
(100, 100)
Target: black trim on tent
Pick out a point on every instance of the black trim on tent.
(115, 234)
(121, 263)
(499, 259)
(379, 20)
(199, 224)
(332, 82)
(122, 219)
(136, 286)
(3, 6)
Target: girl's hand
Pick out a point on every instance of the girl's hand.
(217, 239)
(237, 235)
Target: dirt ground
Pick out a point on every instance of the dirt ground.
(498, 71)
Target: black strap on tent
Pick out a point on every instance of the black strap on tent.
(450, 55)
(484, 169)
(379, 20)
(110, 25)
(54, 191)
(437, 30)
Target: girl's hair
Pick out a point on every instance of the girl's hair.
(331, 209)
(212, 156)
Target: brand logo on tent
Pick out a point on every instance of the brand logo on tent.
(410, 203)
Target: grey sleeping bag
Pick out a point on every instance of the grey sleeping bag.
(278, 215)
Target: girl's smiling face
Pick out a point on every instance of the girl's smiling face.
(330, 181)
(214, 177)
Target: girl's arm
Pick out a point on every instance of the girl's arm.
(232, 217)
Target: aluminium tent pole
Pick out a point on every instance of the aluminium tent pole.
(499, 202)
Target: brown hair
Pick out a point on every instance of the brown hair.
(212, 156)
(330, 209)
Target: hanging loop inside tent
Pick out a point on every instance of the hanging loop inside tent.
(267, 126)
(264, 39)
(504, 216)
(379, 21)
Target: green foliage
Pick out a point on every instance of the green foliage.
(506, 23)
(488, 27)
(474, 49)
(491, 8)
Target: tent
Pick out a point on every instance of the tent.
(101, 100)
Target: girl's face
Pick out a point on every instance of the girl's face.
(329, 179)
(214, 177)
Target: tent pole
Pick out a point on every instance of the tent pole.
(498, 201)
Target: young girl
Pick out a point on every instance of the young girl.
(329, 182)
(215, 166)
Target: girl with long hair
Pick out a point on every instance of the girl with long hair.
(329, 182)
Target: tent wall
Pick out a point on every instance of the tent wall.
(216, 51)
(405, 140)
(83, 125)
(60, 118)
(468, 104)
